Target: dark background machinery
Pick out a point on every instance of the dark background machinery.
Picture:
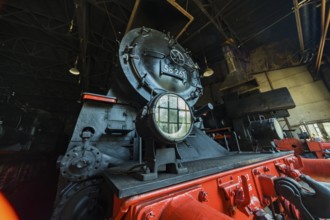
(30, 140)
(250, 122)
(24, 128)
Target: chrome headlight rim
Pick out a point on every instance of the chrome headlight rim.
(183, 114)
(149, 120)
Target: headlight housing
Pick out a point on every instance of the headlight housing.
(167, 118)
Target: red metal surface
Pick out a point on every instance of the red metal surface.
(289, 168)
(267, 185)
(186, 207)
(301, 147)
(6, 210)
(318, 169)
(238, 194)
(100, 98)
(219, 133)
(318, 147)
(287, 144)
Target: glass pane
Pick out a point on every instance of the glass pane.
(182, 104)
(182, 117)
(173, 128)
(157, 118)
(173, 102)
(174, 116)
(163, 101)
(185, 128)
(164, 127)
(163, 114)
(188, 117)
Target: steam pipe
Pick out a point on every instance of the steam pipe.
(173, 3)
(185, 13)
(298, 22)
(323, 26)
(321, 47)
(319, 169)
(132, 17)
(186, 207)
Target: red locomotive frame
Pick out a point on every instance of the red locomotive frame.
(241, 193)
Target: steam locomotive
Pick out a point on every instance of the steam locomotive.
(140, 153)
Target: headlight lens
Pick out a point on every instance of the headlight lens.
(168, 119)
(172, 116)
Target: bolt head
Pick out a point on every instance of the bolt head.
(202, 196)
(256, 172)
(149, 215)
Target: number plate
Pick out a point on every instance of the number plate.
(175, 72)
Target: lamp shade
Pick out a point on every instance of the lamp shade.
(208, 72)
(74, 71)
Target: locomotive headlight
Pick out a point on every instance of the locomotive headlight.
(172, 116)
(167, 118)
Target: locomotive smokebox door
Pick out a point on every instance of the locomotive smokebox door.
(153, 62)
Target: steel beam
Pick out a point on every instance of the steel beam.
(223, 20)
(22, 10)
(24, 75)
(118, 2)
(10, 46)
(10, 51)
(51, 34)
(217, 26)
(96, 4)
(56, 35)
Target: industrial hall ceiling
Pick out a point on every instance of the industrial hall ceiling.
(41, 40)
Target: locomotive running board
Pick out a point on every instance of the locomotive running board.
(124, 185)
